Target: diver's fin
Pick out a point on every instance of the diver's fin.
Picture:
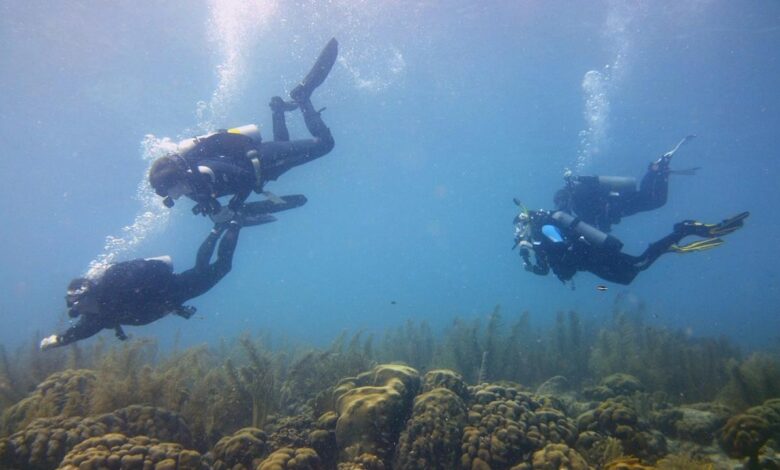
(318, 73)
(284, 203)
(700, 245)
(729, 225)
(273, 197)
(684, 140)
(685, 171)
(694, 227)
(250, 220)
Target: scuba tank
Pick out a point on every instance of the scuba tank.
(618, 184)
(590, 233)
(250, 130)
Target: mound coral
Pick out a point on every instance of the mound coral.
(504, 427)
(44, 442)
(445, 378)
(65, 394)
(292, 459)
(372, 409)
(617, 419)
(243, 450)
(555, 457)
(743, 435)
(117, 451)
(627, 463)
(431, 439)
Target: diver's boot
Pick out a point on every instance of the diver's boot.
(278, 105)
(318, 73)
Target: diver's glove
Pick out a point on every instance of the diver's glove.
(50, 342)
(209, 206)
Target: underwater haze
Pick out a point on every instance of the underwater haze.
(442, 112)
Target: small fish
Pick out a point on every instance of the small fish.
(601, 288)
(393, 302)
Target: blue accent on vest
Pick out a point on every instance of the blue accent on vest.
(552, 232)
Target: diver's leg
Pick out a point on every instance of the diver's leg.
(652, 194)
(278, 108)
(227, 248)
(656, 249)
(207, 247)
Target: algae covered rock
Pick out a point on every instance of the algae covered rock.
(66, 393)
(292, 459)
(614, 385)
(690, 423)
(431, 439)
(119, 452)
(156, 422)
(243, 450)
(372, 409)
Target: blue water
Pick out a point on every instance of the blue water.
(442, 112)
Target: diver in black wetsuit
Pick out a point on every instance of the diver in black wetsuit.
(604, 200)
(141, 291)
(566, 245)
(236, 162)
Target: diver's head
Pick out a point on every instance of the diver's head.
(562, 199)
(81, 297)
(168, 177)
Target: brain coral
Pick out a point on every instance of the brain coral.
(372, 409)
(119, 452)
(431, 439)
(555, 457)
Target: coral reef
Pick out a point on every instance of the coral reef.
(431, 438)
(44, 442)
(372, 409)
(292, 459)
(66, 393)
(243, 450)
(117, 451)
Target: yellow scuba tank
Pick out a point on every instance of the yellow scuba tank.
(250, 130)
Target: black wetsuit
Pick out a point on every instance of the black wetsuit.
(601, 206)
(565, 258)
(141, 291)
(225, 154)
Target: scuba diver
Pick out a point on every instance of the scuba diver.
(565, 244)
(140, 291)
(236, 161)
(603, 200)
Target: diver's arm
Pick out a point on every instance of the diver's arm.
(88, 325)
(539, 267)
